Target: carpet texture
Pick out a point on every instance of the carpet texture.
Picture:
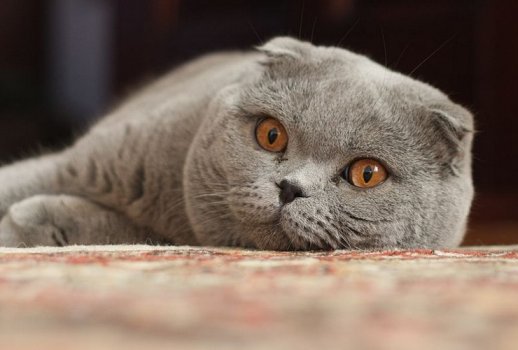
(143, 297)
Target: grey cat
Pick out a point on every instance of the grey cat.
(290, 147)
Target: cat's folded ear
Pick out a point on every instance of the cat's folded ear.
(284, 48)
(455, 125)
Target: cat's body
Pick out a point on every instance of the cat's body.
(178, 162)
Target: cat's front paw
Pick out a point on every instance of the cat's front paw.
(27, 224)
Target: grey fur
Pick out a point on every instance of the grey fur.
(178, 162)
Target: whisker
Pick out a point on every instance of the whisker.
(209, 218)
(432, 54)
(401, 55)
(301, 19)
(313, 29)
(347, 33)
(384, 45)
(204, 195)
(261, 41)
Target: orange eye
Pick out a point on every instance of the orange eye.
(365, 173)
(271, 135)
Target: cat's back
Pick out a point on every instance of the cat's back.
(186, 88)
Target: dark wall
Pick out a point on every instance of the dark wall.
(25, 121)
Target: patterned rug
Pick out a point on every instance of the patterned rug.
(144, 297)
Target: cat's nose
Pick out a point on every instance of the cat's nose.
(289, 192)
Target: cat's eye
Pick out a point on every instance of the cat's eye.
(365, 173)
(271, 135)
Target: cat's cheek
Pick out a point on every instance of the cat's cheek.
(255, 203)
(385, 202)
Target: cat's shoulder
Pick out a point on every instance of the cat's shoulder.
(189, 84)
(218, 68)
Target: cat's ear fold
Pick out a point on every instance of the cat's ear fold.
(455, 125)
(282, 48)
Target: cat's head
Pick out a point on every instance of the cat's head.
(318, 147)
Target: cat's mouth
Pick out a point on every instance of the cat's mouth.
(307, 230)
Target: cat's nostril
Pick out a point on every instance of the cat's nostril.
(289, 192)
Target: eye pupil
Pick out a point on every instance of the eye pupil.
(272, 135)
(367, 173)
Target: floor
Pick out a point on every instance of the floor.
(144, 297)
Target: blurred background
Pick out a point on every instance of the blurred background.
(63, 63)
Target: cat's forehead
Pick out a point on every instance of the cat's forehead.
(297, 65)
(333, 86)
(327, 69)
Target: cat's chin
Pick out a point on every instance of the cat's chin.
(269, 235)
(309, 228)
(287, 232)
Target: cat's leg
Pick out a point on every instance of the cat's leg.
(58, 220)
(27, 178)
